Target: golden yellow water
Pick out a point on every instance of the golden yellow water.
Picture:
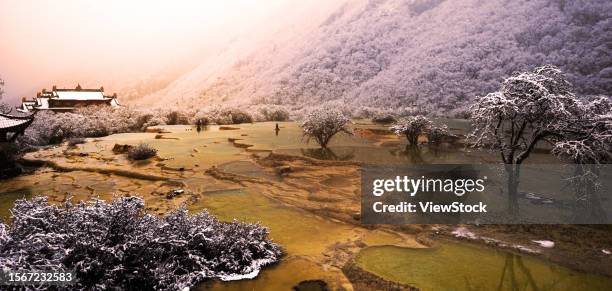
(304, 237)
(459, 266)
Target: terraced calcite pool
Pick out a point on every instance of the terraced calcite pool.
(309, 199)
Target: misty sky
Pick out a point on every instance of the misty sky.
(67, 41)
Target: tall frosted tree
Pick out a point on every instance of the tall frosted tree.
(530, 108)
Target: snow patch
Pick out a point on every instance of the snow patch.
(490, 240)
(256, 266)
(464, 233)
(607, 252)
(545, 243)
(525, 249)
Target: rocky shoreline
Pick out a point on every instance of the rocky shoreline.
(364, 280)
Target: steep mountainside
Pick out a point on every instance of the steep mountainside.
(390, 53)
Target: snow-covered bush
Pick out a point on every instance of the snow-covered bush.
(412, 127)
(118, 246)
(384, 117)
(175, 117)
(93, 121)
(222, 115)
(323, 123)
(437, 133)
(272, 112)
(142, 151)
(47, 128)
(365, 112)
(151, 118)
(239, 116)
(104, 120)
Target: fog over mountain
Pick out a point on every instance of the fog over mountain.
(133, 48)
(389, 53)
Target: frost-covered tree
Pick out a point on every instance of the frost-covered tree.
(117, 246)
(530, 108)
(589, 139)
(323, 123)
(412, 127)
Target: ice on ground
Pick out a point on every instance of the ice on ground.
(464, 233)
(255, 268)
(545, 243)
(525, 249)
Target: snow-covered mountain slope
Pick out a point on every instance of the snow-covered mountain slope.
(389, 53)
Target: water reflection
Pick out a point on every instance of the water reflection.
(413, 153)
(586, 184)
(511, 283)
(574, 189)
(423, 154)
(328, 154)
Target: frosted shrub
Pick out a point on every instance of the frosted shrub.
(94, 121)
(239, 116)
(273, 113)
(365, 112)
(142, 151)
(412, 127)
(222, 115)
(107, 120)
(437, 134)
(46, 129)
(152, 119)
(118, 246)
(175, 117)
(384, 117)
(323, 123)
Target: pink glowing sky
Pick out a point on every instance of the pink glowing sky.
(67, 41)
